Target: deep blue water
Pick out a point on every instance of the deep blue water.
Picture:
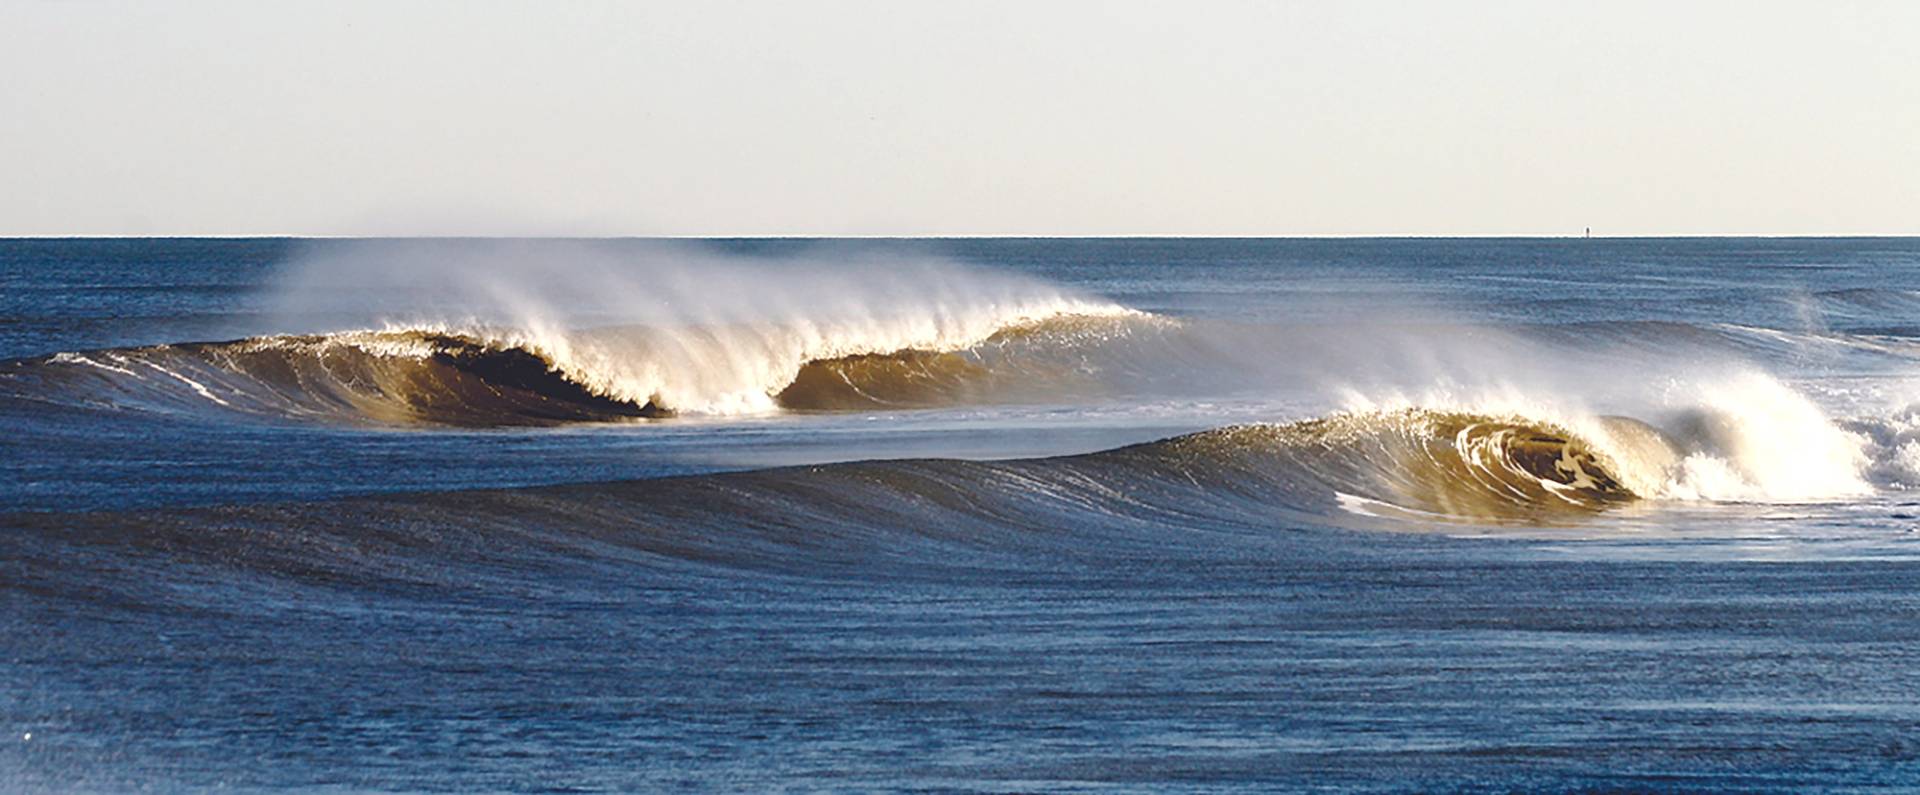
(313, 568)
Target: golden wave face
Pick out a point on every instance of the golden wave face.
(386, 378)
(904, 380)
(465, 382)
(445, 380)
(1476, 467)
(422, 377)
(1038, 360)
(1414, 465)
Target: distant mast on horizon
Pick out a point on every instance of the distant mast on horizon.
(1589, 231)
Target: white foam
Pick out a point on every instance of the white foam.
(1752, 438)
(1741, 436)
(196, 386)
(84, 360)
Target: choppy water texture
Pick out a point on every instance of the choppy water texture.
(995, 515)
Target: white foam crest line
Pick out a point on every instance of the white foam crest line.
(1366, 506)
(82, 359)
(195, 385)
(396, 341)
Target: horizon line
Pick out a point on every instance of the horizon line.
(979, 236)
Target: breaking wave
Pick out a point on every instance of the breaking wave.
(1426, 465)
(1518, 446)
(1395, 470)
(486, 377)
(1415, 464)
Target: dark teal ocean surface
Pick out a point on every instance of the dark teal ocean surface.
(960, 515)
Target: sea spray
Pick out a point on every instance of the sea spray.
(1737, 435)
(677, 327)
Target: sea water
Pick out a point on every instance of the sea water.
(1123, 514)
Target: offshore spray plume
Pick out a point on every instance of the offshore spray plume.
(684, 327)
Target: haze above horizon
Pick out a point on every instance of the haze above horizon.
(979, 119)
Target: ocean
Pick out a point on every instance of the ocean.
(973, 515)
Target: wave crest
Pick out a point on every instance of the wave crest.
(487, 377)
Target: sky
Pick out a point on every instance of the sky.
(959, 118)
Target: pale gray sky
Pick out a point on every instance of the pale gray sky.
(919, 118)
